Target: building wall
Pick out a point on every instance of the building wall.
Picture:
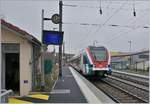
(9, 36)
(143, 65)
(137, 62)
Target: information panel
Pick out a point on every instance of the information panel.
(52, 37)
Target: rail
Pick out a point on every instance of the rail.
(123, 87)
(4, 95)
(118, 94)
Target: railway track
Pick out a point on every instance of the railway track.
(124, 88)
(139, 79)
(116, 93)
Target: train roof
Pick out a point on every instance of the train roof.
(96, 46)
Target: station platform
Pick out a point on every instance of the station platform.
(74, 88)
(70, 88)
(66, 90)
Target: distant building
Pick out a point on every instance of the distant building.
(20, 59)
(66, 56)
(137, 60)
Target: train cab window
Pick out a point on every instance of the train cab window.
(99, 53)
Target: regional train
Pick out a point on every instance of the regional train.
(92, 61)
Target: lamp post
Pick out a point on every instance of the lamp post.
(130, 45)
(60, 46)
(42, 50)
(56, 19)
(130, 51)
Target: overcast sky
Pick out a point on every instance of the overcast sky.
(84, 24)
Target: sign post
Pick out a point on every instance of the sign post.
(54, 37)
(60, 46)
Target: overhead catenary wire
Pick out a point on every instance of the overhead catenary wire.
(109, 18)
(106, 7)
(105, 21)
(111, 25)
(121, 34)
(118, 35)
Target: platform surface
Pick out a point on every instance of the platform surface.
(70, 88)
(66, 90)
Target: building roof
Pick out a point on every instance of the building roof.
(28, 36)
(130, 54)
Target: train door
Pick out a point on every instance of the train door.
(85, 64)
(82, 66)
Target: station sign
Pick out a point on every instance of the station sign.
(52, 37)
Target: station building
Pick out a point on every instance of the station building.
(20, 59)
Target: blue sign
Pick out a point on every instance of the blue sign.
(52, 37)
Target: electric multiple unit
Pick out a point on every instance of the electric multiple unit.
(93, 61)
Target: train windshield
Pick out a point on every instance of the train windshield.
(99, 53)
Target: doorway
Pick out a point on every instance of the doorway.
(12, 77)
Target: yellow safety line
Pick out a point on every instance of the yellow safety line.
(39, 96)
(14, 100)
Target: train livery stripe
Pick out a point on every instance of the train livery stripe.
(89, 51)
(108, 56)
(89, 56)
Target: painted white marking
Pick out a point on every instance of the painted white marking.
(60, 91)
(90, 96)
(68, 76)
(54, 84)
(100, 69)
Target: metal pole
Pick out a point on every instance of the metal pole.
(60, 46)
(130, 45)
(42, 50)
(42, 27)
(130, 52)
(64, 53)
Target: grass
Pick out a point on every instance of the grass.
(49, 80)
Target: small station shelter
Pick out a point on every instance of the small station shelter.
(20, 59)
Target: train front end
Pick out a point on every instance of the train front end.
(99, 60)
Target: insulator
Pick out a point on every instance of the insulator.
(134, 13)
(100, 11)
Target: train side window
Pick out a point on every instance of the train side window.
(84, 60)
